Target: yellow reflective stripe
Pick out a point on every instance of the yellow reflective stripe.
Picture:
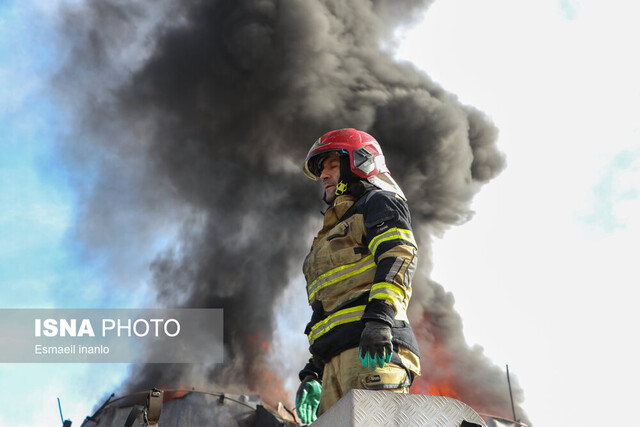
(387, 297)
(340, 273)
(341, 317)
(392, 234)
(392, 293)
(385, 290)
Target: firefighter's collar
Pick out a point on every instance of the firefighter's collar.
(339, 207)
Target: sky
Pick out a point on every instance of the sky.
(544, 275)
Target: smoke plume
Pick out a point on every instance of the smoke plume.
(194, 118)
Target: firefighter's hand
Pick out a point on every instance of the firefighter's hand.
(375, 344)
(308, 399)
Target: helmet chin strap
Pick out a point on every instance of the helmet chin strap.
(346, 177)
(341, 188)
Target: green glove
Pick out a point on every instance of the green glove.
(308, 399)
(375, 344)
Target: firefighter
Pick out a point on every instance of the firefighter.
(358, 275)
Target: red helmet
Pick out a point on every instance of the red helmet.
(365, 155)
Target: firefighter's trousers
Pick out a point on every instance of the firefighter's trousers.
(345, 372)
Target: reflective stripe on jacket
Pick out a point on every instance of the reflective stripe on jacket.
(360, 267)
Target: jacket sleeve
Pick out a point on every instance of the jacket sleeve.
(314, 368)
(390, 240)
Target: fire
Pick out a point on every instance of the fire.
(438, 376)
(171, 393)
(434, 387)
(266, 381)
(272, 390)
(442, 390)
(445, 372)
(176, 394)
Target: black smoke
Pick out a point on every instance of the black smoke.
(199, 113)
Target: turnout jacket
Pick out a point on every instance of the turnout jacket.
(359, 268)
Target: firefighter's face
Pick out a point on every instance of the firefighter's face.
(330, 175)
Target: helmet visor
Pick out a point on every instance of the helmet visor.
(314, 163)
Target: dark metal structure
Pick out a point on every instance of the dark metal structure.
(187, 408)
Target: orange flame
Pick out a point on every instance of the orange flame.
(443, 374)
(177, 394)
(438, 377)
(171, 393)
(267, 382)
